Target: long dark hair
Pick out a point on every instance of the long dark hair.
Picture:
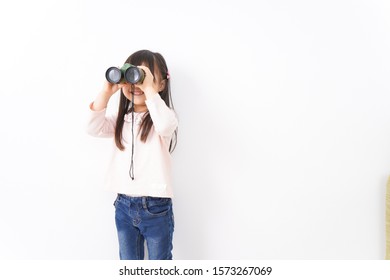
(151, 60)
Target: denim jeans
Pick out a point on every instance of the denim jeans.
(144, 218)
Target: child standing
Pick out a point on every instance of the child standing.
(144, 132)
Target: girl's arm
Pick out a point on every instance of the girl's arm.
(99, 125)
(164, 119)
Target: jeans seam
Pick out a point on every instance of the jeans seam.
(138, 247)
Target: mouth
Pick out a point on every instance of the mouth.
(137, 92)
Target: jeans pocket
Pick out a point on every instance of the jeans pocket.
(116, 201)
(158, 206)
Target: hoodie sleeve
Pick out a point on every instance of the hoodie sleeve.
(164, 118)
(100, 125)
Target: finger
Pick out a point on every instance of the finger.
(143, 67)
(146, 69)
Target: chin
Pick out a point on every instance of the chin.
(139, 99)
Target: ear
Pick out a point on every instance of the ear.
(162, 85)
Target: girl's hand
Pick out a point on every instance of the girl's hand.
(148, 85)
(109, 89)
(104, 96)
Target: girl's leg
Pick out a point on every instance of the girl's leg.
(157, 227)
(131, 242)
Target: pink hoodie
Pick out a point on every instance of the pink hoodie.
(152, 160)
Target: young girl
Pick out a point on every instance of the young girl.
(144, 132)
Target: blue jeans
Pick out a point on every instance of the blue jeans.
(144, 218)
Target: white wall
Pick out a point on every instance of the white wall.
(284, 140)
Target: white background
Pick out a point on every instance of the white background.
(284, 140)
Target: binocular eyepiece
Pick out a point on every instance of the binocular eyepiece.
(126, 74)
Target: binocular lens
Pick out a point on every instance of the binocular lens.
(134, 75)
(114, 75)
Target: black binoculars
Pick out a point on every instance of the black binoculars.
(126, 74)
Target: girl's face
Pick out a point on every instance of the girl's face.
(139, 97)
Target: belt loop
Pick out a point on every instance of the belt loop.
(144, 201)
